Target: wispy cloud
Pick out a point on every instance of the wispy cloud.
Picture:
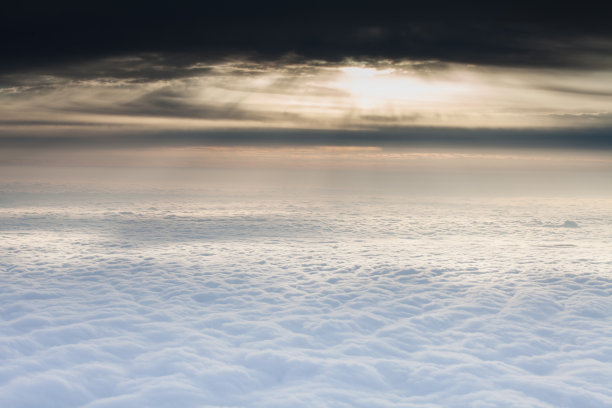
(122, 95)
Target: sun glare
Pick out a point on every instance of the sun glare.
(373, 87)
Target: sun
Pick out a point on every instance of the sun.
(373, 88)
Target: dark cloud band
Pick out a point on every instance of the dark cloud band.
(582, 139)
(489, 33)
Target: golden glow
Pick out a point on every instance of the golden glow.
(350, 96)
(374, 88)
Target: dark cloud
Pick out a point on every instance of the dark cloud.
(579, 139)
(57, 59)
(133, 68)
(174, 35)
(34, 123)
(577, 90)
(171, 103)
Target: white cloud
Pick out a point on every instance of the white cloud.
(294, 299)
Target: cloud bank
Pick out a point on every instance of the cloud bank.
(289, 297)
(534, 34)
(119, 100)
(161, 70)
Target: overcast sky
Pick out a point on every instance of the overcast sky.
(149, 74)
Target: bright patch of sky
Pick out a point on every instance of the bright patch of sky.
(353, 95)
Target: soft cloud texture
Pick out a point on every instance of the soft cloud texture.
(267, 297)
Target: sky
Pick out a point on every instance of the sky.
(446, 76)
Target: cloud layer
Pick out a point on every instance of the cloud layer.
(512, 34)
(275, 299)
(210, 73)
(145, 99)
